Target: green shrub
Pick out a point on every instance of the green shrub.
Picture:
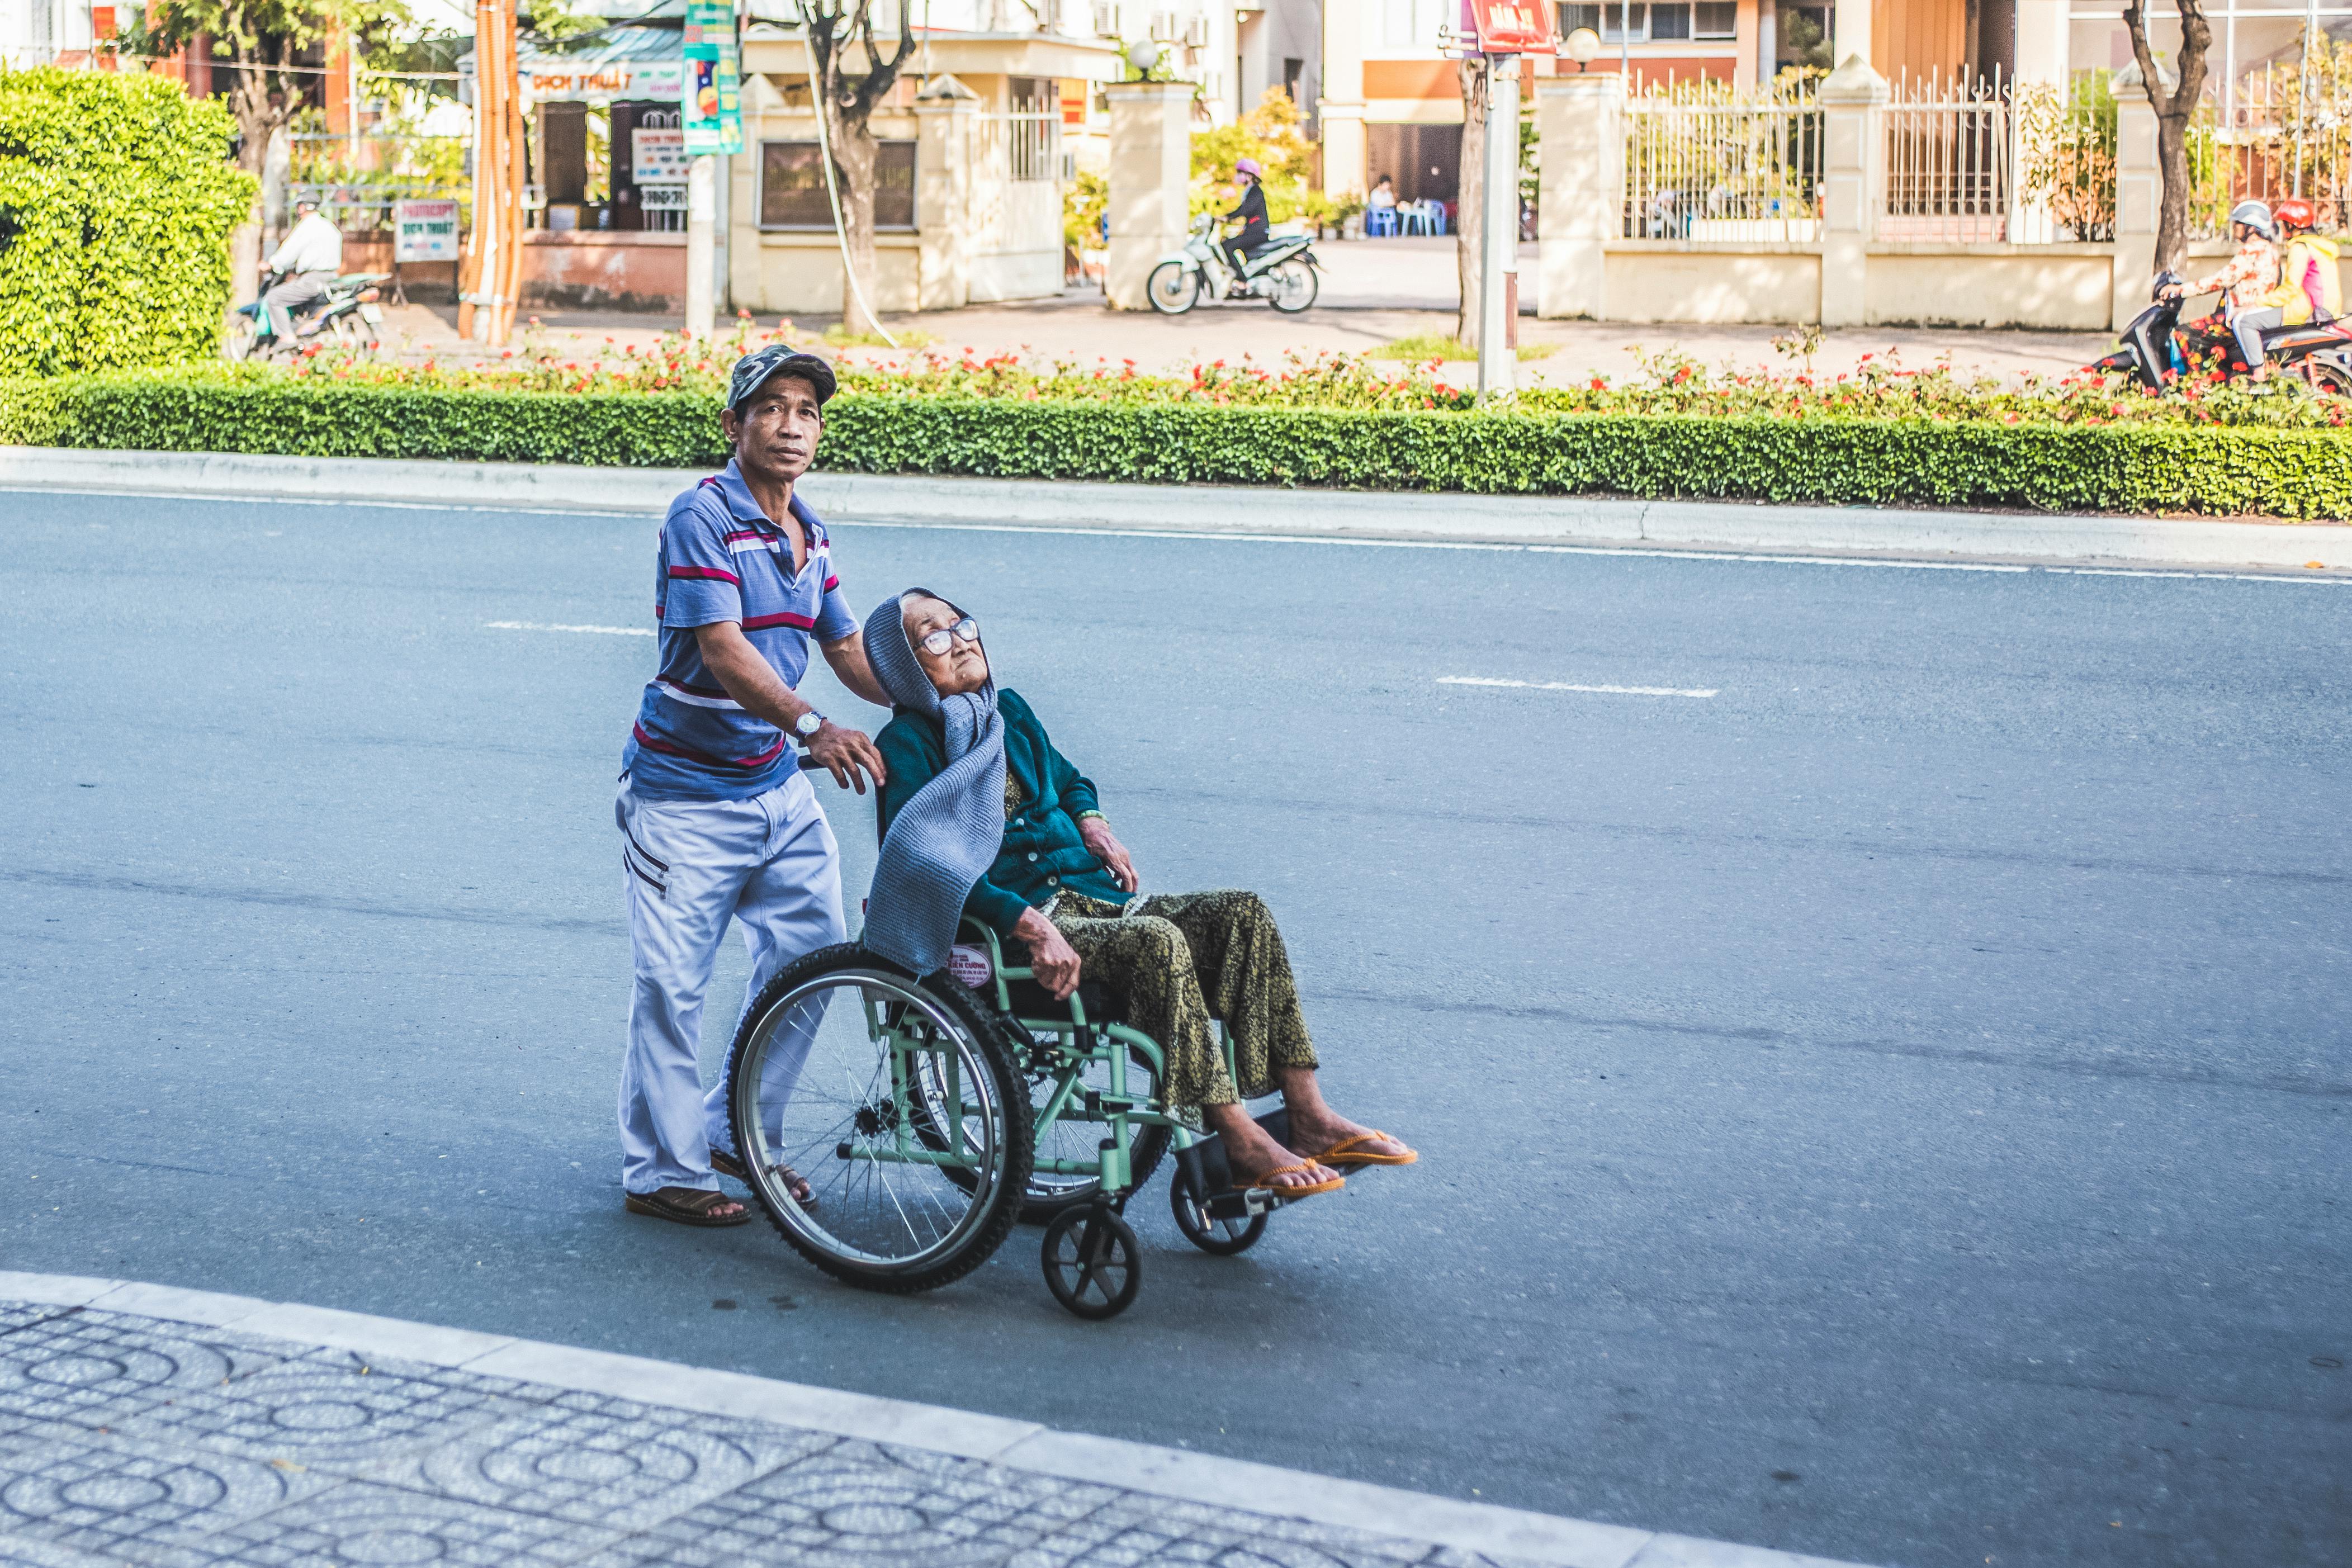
(116, 203)
(2128, 467)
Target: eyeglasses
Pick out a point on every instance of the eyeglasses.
(937, 643)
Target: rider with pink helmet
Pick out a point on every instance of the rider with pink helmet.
(1251, 214)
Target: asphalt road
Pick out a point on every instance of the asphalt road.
(1894, 1108)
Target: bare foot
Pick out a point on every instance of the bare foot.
(1323, 1129)
(1255, 1157)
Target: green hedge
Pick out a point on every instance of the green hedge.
(2113, 468)
(116, 203)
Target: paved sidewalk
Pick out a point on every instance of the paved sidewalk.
(1374, 292)
(144, 1425)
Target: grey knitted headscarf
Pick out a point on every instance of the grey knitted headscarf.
(946, 838)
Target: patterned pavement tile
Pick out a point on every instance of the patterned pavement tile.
(66, 1485)
(602, 1461)
(16, 1314)
(357, 1522)
(857, 1505)
(91, 1369)
(1133, 1528)
(319, 1415)
(29, 1552)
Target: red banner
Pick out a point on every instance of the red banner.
(1512, 27)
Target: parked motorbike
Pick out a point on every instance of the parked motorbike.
(348, 315)
(1284, 273)
(2156, 347)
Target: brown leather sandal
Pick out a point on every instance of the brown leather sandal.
(687, 1206)
(727, 1165)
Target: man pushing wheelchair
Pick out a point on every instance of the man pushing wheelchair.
(987, 827)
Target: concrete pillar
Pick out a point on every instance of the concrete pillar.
(2041, 69)
(1849, 32)
(701, 252)
(1340, 109)
(1853, 183)
(946, 114)
(1499, 232)
(2139, 196)
(1151, 175)
(1580, 148)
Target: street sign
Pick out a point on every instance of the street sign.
(662, 198)
(657, 156)
(712, 108)
(424, 230)
(1512, 26)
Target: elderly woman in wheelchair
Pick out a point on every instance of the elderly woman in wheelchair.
(904, 1099)
(1063, 887)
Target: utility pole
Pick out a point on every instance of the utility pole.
(701, 205)
(492, 273)
(1498, 272)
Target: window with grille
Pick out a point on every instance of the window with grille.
(1670, 22)
(792, 193)
(1715, 20)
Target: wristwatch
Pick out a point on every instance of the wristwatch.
(808, 724)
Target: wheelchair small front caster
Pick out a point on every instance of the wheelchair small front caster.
(1093, 1263)
(1223, 1235)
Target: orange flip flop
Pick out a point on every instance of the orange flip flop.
(1337, 1157)
(1265, 1183)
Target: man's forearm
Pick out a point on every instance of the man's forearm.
(852, 668)
(749, 678)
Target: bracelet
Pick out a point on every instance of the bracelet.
(1097, 816)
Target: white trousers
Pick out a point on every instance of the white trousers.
(769, 862)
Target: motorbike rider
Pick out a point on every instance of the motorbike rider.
(2246, 281)
(307, 263)
(2310, 288)
(1250, 213)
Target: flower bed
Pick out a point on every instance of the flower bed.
(1882, 436)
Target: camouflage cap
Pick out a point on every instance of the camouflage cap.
(757, 368)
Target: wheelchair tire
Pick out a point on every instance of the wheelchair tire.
(912, 1231)
(1218, 1238)
(1094, 1264)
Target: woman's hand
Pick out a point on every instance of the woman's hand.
(1109, 851)
(1051, 957)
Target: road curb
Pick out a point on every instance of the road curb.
(1534, 1538)
(1597, 522)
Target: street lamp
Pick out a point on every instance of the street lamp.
(1143, 57)
(1583, 46)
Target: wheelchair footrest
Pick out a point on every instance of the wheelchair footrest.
(1210, 1174)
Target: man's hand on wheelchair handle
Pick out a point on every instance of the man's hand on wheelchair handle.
(1051, 957)
(1109, 851)
(845, 752)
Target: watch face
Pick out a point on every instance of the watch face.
(808, 724)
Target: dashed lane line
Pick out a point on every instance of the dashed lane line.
(1579, 686)
(552, 626)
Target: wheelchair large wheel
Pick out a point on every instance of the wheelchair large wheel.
(910, 1187)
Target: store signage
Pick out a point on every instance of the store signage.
(712, 107)
(657, 156)
(424, 230)
(655, 80)
(1511, 26)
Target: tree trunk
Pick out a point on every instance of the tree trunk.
(2173, 111)
(1469, 226)
(256, 119)
(855, 153)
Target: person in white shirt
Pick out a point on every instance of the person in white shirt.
(310, 258)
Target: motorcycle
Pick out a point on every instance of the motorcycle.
(1284, 273)
(348, 315)
(2156, 347)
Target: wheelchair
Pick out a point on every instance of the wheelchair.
(929, 1114)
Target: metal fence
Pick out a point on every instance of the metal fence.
(1705, 162)
(1029, 142)
(2283, 131)
(1947, 162)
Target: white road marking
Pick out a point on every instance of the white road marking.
(547, 626)
(1575, 687)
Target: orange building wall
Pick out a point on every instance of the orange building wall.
(1918, 38)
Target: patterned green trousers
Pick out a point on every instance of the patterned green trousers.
(1176, 961)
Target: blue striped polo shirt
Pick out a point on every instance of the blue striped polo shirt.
(723, 559)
